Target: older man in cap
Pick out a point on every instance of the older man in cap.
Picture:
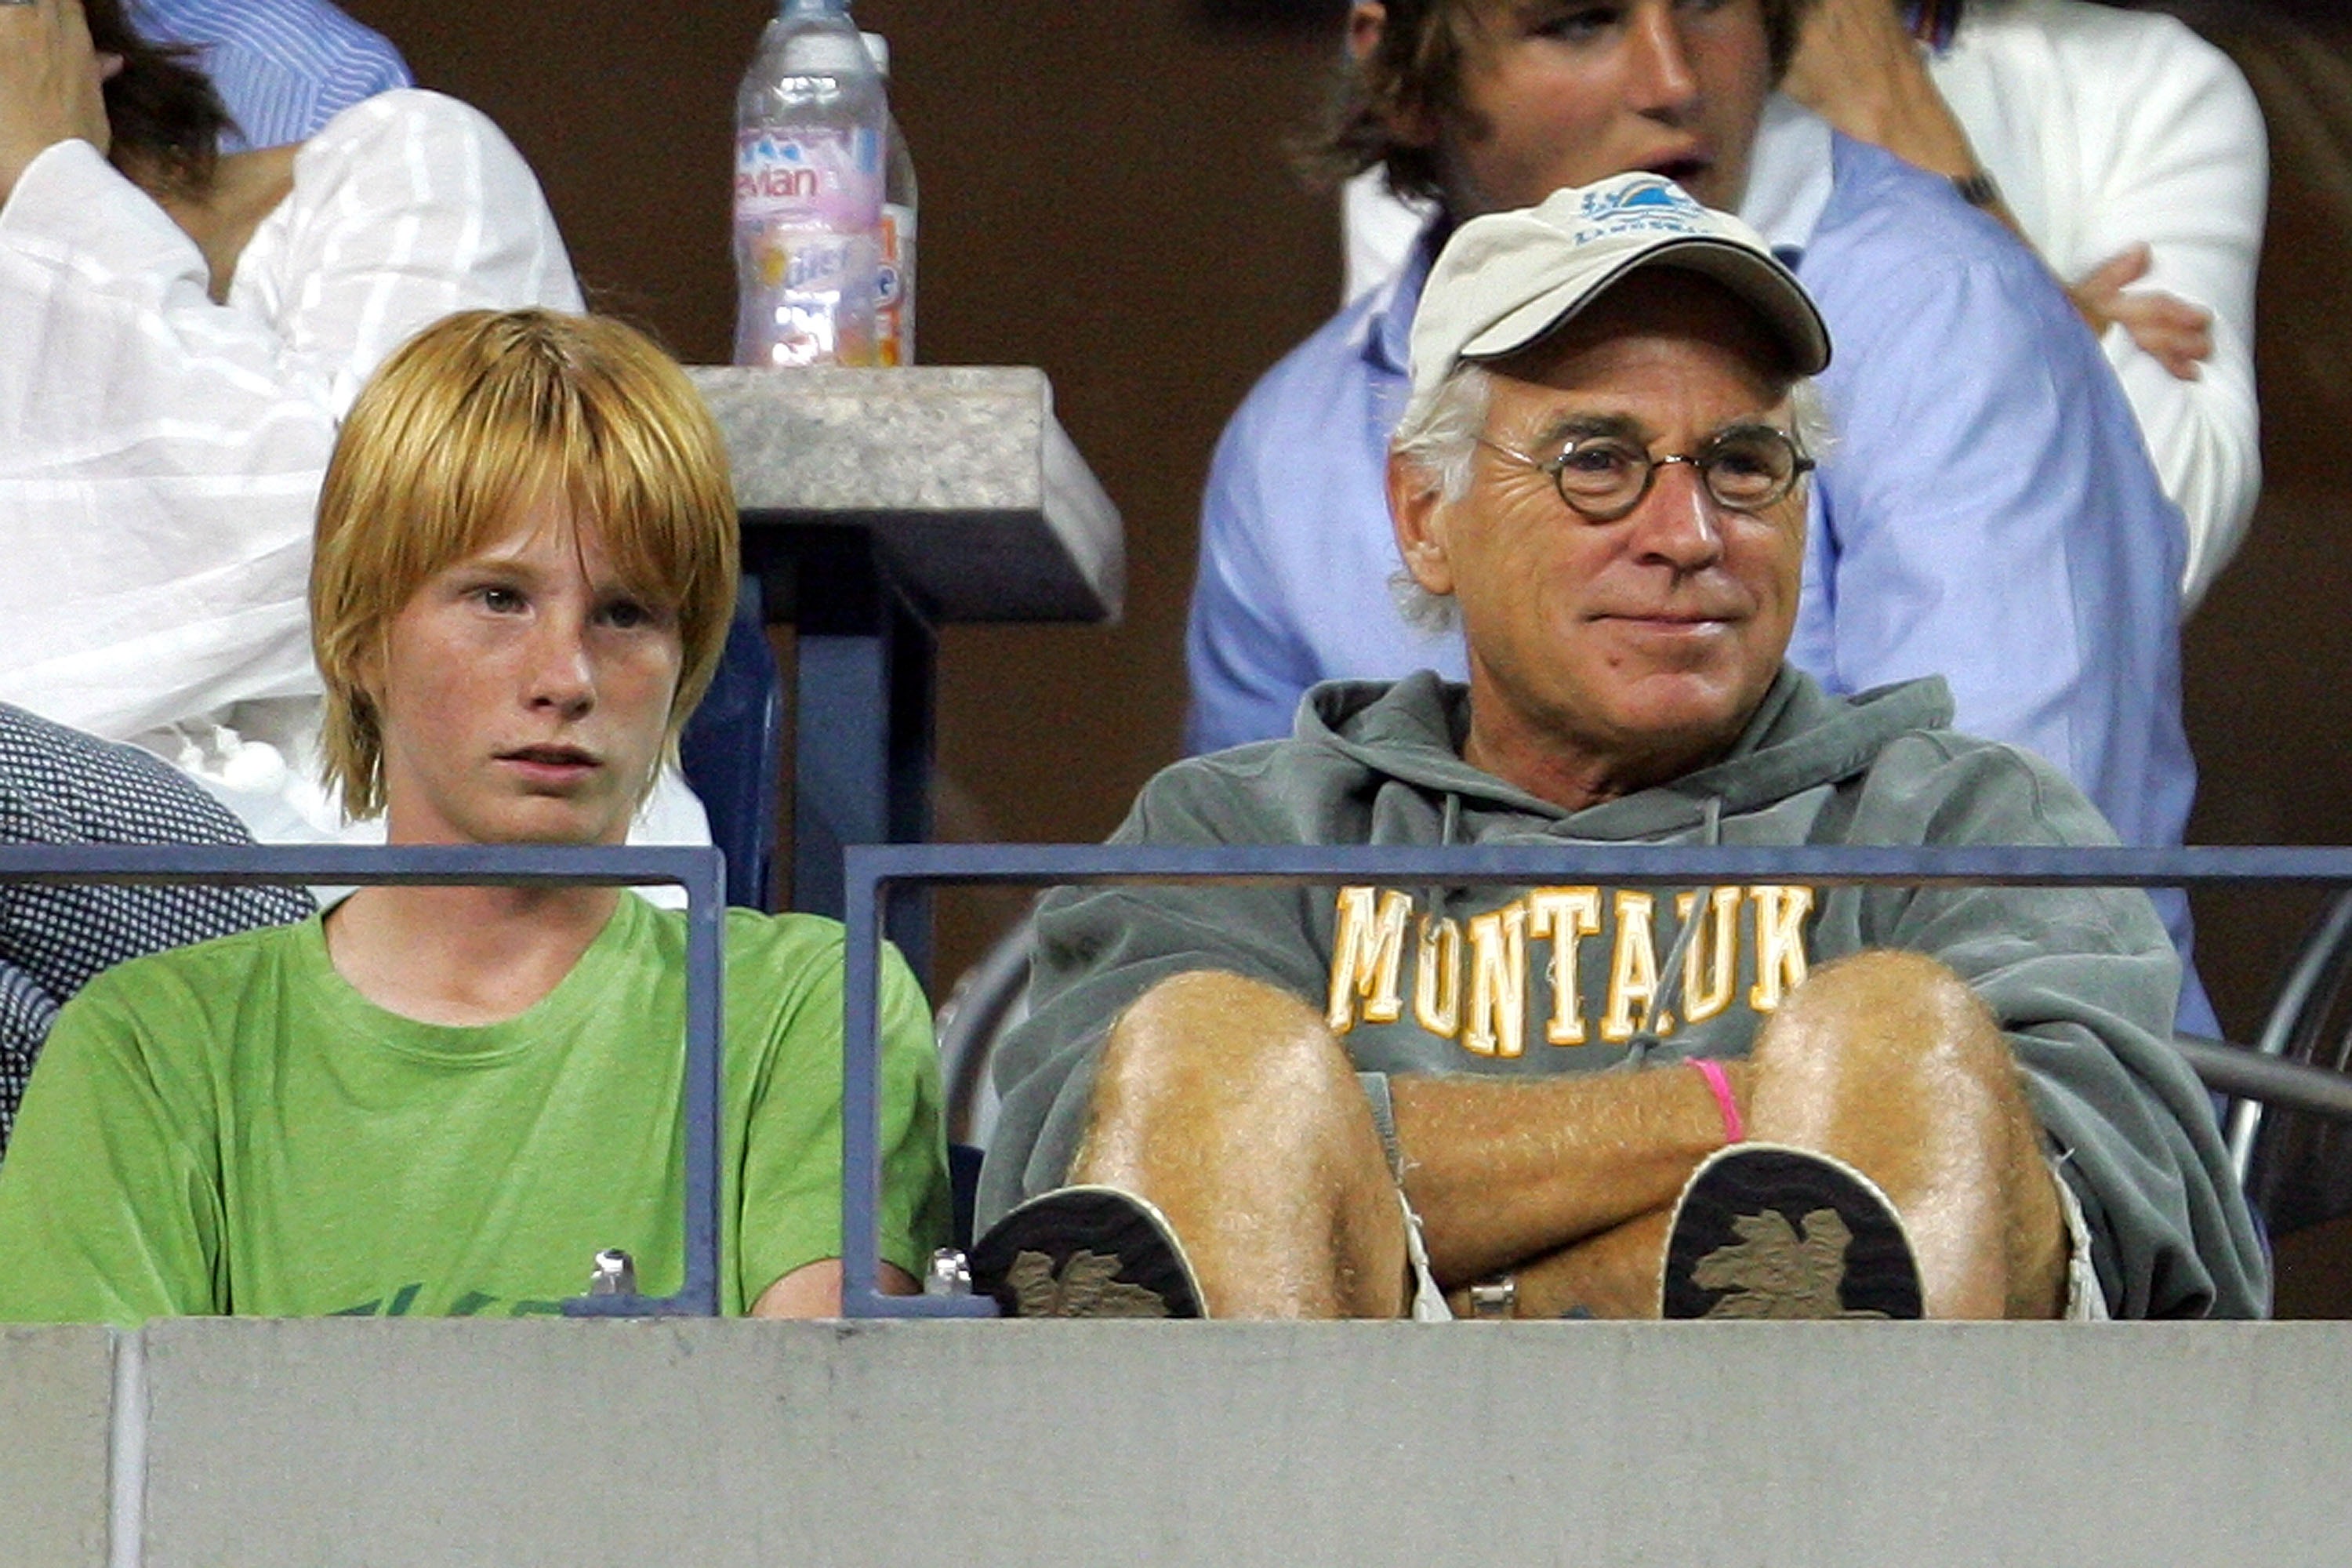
(1733, 1101)
(1988, 515)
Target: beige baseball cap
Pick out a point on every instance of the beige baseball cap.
(1508, 279)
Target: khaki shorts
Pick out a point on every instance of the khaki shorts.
(2085, 1302)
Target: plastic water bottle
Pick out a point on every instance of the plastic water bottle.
(810, 131)
(894, 300)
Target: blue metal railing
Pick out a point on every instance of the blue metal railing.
(871, 871)
(701, 871)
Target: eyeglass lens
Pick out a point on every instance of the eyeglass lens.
(1742, 469)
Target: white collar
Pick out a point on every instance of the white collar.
(1789, 174)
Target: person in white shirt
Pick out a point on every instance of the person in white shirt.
(2125, 150)
(184, 330)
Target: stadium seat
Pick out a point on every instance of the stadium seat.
(990, 998)
(732, 751)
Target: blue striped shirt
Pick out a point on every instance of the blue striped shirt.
(284, 67)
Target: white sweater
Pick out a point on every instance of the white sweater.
(164, 453)
(2102, 127)
(2105, 127)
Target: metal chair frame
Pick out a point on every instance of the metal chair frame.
(988, 999)
(731, 751)
(2306, 994)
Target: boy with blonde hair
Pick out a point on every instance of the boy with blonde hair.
(449, 1100)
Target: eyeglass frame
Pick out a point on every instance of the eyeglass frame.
(1802, 463)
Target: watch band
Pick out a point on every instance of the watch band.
(1977, 188)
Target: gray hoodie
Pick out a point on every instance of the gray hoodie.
(1582, 979)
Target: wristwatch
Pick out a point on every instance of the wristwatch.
(1976, 189)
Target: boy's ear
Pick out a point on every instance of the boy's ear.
(367, 672)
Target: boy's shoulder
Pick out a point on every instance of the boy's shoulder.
(749, 934)
(775, 957)
(221, 966)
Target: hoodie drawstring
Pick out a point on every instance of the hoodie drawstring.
(1669, 994)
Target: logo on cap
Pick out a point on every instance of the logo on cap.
(1639, 204)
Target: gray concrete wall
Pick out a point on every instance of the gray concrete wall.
(56, 1390)
(452, 1442)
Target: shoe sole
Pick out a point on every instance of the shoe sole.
(1767, 1232)
(1085, 1252)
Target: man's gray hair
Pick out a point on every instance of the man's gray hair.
(1438, 438)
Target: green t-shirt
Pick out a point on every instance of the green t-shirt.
(232, 1128)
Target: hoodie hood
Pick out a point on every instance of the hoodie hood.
(1799, 738)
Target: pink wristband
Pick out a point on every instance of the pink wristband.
(1734, 1129)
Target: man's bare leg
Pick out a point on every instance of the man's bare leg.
(1230, 1106)
(1890, 1062)
(1227, 1104)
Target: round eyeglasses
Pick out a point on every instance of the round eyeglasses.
(1601, 477)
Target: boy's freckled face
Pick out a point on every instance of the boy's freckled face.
(524, 693)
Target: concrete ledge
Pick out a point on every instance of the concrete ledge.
(420, 1442)
(976, 493)
(56, 1395)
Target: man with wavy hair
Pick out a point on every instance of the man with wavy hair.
(449, 1099)
(1988, 512)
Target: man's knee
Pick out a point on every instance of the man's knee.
(1229, 1104)
(1209, 1033)
(1899, 1013)
(1890, 1061)
(1209, 1061)
(1879, 981)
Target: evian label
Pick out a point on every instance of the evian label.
(808, 178)
(807, 208)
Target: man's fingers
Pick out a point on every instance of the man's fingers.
(52, 84)
(2177, 333)
(2160, 308)
(2118, 271)
(2180, 353)
(1848, 50)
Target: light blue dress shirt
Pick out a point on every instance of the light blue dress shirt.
(1988, 512)
(284, 67)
